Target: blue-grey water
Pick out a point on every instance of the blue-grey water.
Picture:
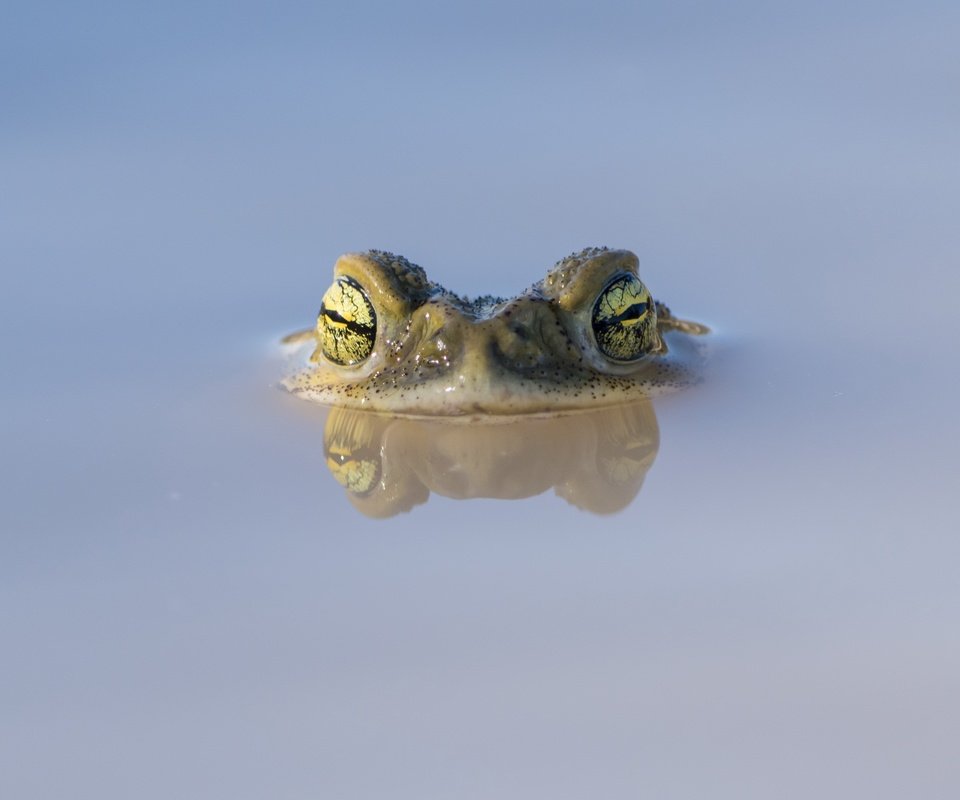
(190, 605)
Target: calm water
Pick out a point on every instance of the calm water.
(191, 604)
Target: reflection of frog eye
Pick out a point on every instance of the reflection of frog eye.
(347, 325)
(351, 443)
(624, 320)
(353, 472)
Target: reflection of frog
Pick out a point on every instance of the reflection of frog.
(596, 460)
(588, 334)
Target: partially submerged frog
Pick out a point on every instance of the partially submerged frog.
(388, 339)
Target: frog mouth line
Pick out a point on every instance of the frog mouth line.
(503, 387)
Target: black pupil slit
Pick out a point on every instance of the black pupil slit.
(351, 325)
(635, 311)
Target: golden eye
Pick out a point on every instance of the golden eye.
(347, 325)
(624, 320)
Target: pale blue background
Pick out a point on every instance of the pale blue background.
(190, 608)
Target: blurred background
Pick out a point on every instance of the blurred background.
(191, 607)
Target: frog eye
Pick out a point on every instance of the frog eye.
(347, 324)
(624, 320)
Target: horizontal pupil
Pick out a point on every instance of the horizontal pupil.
(333, 316)
(629, 316)
(338, 319)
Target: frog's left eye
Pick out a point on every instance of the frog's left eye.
(347, 325)
(624, 320)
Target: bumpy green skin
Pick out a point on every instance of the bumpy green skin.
(589, 334)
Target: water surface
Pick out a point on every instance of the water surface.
(192, 605)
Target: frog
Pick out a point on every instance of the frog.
(588, 334)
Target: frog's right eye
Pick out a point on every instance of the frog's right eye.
(347, 324)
